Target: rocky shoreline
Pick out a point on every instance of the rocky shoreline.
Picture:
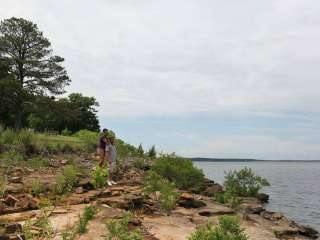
(18, 206)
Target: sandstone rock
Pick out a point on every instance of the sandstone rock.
(11, 200)
(186, 196)
(213, 189)
(306, 231)
(34, 203)
(13, 228)
(272, 216)
(17, 179)
(106, 193)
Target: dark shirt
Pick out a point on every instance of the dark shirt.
(102, 143)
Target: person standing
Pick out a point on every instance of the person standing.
(102, 147)
(112, 158)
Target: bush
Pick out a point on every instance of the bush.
(180, 171)
(8, 137)
(227, 198)
(168, 193)
(99, 176)
(118, 229)
(244, 183)
(67, 180)
(26, 138)
(140, 150)
(125, 149)
(140, 163)
(227, 229)
(89, 138)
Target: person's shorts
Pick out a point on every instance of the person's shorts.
(101, 151)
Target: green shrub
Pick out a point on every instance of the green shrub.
(244, 183)
(26, 138)
(89, 138)
(14, 155)
(168, 193)
(140, 163)
(179, 170)
(8, 137)
(227, 229)
(99, 176)
(125, 149)
(118, 229)
(67, 180)
(37, 187)
(228, 198)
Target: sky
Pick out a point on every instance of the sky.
(201, 78)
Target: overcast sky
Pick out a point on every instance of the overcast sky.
(204, 78)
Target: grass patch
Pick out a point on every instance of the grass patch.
(43, 224)
(37, 187)
(88, 214)
(227, 229)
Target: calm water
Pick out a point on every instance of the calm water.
(294, 190)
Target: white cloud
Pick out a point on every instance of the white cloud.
(170, 57)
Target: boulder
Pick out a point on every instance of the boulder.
(272, 216)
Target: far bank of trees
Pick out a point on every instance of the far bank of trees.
(30, 79)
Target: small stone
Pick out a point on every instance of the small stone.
(79, 190)
(64, 162)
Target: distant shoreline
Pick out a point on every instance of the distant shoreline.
(199, 159)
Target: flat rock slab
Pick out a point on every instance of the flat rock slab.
(169, 227)
(214, 209)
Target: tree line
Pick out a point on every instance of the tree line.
(31, 78)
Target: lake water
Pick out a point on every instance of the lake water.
(294, 190)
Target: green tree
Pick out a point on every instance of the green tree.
(29, 57)
(87, 112)
(152, 152)
(140, 150)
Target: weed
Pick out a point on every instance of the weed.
(89, 213)
(99, 176)
(8, 137)
(228, 198)
(43, 223)
(118, 229)
(227, 229)
(140, 163)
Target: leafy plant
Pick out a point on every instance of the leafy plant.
(118, 229)
(99, 176)
(168, 193)
(244, 183)
(67, 180)
(227, 229)
(8, 137)
(179, 170)
(228, 198)
(140, 163)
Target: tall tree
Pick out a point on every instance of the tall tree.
(30, 60)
